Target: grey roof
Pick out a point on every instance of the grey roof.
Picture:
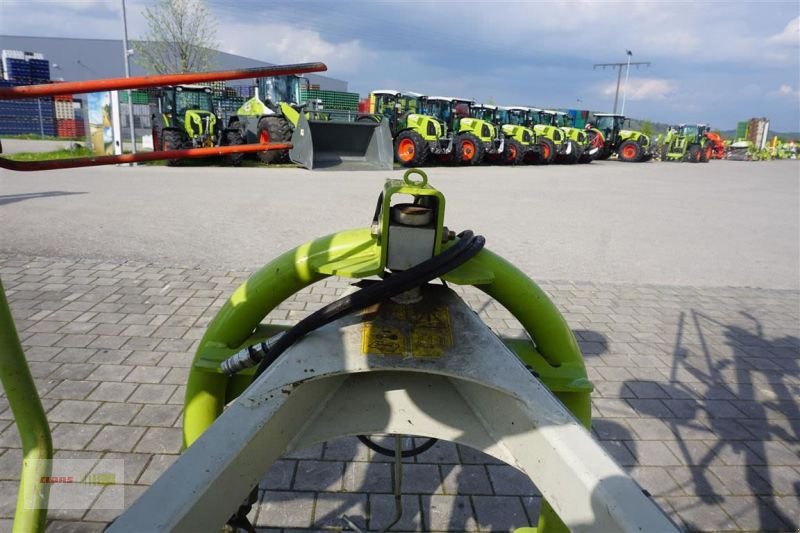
(86, 59)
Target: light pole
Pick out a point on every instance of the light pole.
(128, 53)
(618, 67)
(627, 74)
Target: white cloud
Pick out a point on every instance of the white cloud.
(644, 89)
(789, 36)
(787, 90)
(283, 43)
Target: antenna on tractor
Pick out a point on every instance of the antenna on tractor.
(627, 64)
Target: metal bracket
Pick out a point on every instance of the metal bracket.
(469, 389)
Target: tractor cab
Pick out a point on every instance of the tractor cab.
(181, 104)
(486, 112)
(395, 106)
(448, 110)
(278, 89)
(562, 120)
(609, 124)
(518, 116)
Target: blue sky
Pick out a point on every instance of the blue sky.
(715, 62)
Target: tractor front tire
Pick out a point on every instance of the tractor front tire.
(630, 152)
(469, 149)
(547, 151)
(572, 157)
(172, 139)
(410, 149)
(694, 154)
(232, 136)
(585, 158)
(706, 153)
(513, 152)
(274, 130)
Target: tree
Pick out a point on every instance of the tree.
(180, 37)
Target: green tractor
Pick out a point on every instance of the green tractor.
(522, 144)
(417, 136)
(187, 120)
(585, 151)
(558, 148)
(320, 138)
(630, 145)
(687, 142)
(473, 138)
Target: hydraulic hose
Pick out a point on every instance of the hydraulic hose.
(465, 249)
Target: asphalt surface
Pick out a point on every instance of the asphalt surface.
(717, 224)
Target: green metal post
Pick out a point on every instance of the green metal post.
(37, 446)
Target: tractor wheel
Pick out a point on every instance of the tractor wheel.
(604, 153)
(172, 139)
(274, 130)
(232, 136)
(410, 149)
(707, 152)
(572, 157)
(547, 151)
(585, 158)
(469, 149)
(694, 154)
(513, 152)
(630, 151)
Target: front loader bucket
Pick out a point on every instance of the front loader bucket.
(336, 145)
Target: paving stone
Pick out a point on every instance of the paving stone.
(382, 510)
(72, 390)
(279, 476)
(133, 464)
(319, 475)
(72, 411)
(158, 415)
(160, 440)
(112, 391)
(285, 509)
(73, 436)
(330, 507)
(448, 513)
(158, 465)
(499, 513)
(421, 479)
(147, 374)
(467, 479)
(116, 439)
(147, 393)
(368, 477)
(698, 515)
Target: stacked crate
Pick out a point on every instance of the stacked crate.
(65, 117)
(333, 100)
(18, 117)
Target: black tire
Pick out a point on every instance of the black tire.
(604, 153)
(630, 152)
(547, 151)
(274, 130)
(469, 149)
(694, 154)
(574, 153)
(172, 139)
(585, 158)
(232, 136)
(706, 152)
(513, 152)
(410, 149)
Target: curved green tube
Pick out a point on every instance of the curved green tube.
(37, 445)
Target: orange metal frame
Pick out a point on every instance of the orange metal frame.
(141, 82)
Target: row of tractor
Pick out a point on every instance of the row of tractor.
(410, 128)
(414, 129)
(459, 130)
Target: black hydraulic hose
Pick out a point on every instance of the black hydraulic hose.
(461, 252)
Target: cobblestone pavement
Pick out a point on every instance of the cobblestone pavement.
(696, 396)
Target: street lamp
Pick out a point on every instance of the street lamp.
(127, 53)
(627, 74)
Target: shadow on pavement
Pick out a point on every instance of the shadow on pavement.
(743, 402)
(13, 198)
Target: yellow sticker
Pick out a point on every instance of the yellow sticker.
(416, 330)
